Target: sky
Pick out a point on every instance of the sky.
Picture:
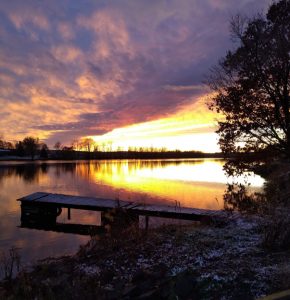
(124, 72)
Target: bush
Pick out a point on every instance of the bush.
(276, 230)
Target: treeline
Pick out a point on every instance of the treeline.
(29, 146)
(87, 149)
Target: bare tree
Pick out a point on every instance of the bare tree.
(88, 144)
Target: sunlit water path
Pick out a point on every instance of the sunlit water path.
(191, 183)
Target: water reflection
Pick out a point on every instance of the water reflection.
(192, 183)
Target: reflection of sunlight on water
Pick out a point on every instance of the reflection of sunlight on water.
(255, 181)
(193, 183)
(208, 171)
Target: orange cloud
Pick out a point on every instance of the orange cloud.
(191, 128)
(67, 53)
(67, 73)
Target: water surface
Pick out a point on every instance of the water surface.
(191, 183)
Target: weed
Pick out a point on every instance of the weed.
(10, 263)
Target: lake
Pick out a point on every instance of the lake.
(192, 183)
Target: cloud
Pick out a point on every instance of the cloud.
(22, 19)
(185, 88)
(66, 53)
(66, 31)
(72, 69)
(192, 127)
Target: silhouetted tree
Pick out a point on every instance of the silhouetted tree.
(88, 144)
(67, 153)
(252, 85)
(9, 145)
(31, 145)
(96, 148)
(19, 148)
(57, 145)
(76, 144)
(44, 151)
(1, 141)
(5, 144)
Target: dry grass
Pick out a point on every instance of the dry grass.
(10, 263)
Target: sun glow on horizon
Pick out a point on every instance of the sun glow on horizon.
(192, 128)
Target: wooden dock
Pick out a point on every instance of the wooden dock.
(48, 202)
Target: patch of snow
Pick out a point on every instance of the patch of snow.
(89, 270)
(199, 261)
(246, 224)
(215, 253)
(177, 269)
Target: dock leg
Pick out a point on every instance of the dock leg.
(146, 222)
(68, 213)
(104, 218)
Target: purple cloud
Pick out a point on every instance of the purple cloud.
(70, 69)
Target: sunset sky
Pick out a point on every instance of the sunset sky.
(126, 71)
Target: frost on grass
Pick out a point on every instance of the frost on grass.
(226, 262)
(220, 257)
(89, 270)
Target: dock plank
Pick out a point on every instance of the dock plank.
(33, 196)
(100, 204)
(73, 201)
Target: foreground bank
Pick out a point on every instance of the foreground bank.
(221, 261)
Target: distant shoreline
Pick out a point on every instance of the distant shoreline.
(120, 155)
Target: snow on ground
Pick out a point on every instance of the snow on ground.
(200, 262)
(223, 257)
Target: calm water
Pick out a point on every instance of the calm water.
(192, 183)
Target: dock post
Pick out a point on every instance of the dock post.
(68, 213)
(146, 222)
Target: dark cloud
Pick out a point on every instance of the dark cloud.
(87, 67)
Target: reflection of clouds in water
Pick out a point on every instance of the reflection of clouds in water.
(195, 183)
(23, 179)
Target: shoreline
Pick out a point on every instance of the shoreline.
(108, 157)
(221, 261)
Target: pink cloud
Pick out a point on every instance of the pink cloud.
(70, 69)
